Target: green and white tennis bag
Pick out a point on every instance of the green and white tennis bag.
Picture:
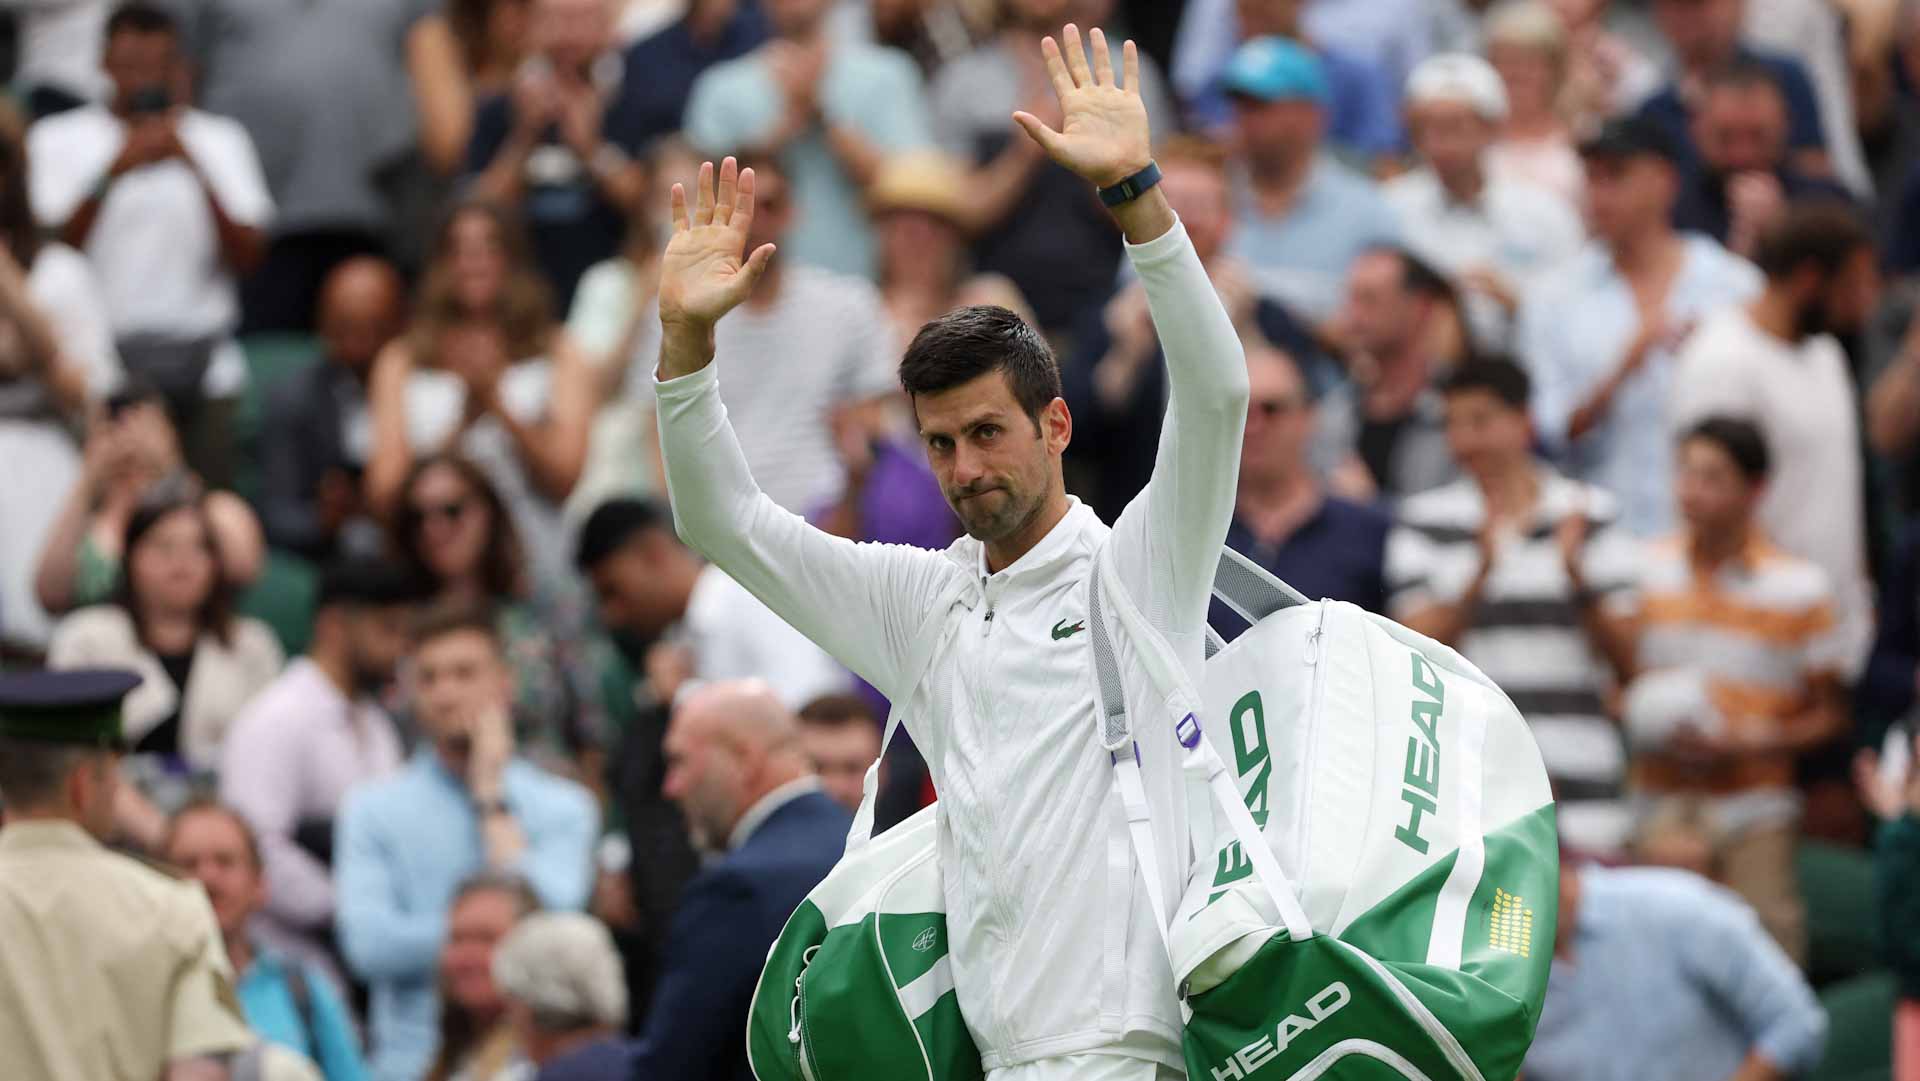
(1378, 894)
(858, 985)
(1382, 894)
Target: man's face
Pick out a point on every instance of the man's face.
(1715, 497)
(841, 754)
(138, 61)
(1043, 15)
(996, 466)
(1450, 136)
(1277, 135)
(376, 642)
(1700, 31)
(572, 33)
(772, 209)
(1268, 18)
(209, 847)
(1199, 195)
(458, 677)
(1484, 433)
(634, 594)
(358, 316)
(1381, 314)
(1627, 194)
(1847, 301)
(475, 929)
(706, 777)
(1279, 417)
(1742, 129)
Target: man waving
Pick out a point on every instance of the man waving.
(1059, 970)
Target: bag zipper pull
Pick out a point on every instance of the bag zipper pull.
(793, 1014)
(1313, 637)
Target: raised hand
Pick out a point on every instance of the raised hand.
(706, 271)
(1103, 132)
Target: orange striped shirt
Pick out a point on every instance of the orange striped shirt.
(1760, 625)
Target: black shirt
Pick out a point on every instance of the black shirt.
(164, 738)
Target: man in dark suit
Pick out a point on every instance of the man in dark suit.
(737, 769)
(311, 482)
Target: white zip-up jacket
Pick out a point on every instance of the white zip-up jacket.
(1052, 945)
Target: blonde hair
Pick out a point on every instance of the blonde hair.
(1528, 23)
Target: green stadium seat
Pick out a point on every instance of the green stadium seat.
(283, 598)
(1859, 1029)
(271, 358)
(1843, 922)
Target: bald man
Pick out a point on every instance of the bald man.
(312, 469)
(736, 767)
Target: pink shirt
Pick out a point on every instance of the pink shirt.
(289, 759)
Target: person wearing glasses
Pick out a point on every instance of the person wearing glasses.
(1283, 516)
(453, 528)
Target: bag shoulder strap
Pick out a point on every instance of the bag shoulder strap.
(1199, 759)
(919, 656)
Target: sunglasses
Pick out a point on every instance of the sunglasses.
(451, 511)
(1274, 408)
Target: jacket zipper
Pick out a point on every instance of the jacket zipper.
(797, 1035)
(997, 889)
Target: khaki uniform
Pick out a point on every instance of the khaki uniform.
(109, 970)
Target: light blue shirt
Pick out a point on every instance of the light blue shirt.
(322, 1033)
(402, 845)
(1670, 977)
(873, 90)
(1572, 331)
(1301, 257)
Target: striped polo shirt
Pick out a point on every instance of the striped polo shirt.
(1527, 633)
(1759, 627)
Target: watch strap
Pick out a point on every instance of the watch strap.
(1126, 191)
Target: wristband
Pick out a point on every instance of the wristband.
(1132, 187)
(492, 807)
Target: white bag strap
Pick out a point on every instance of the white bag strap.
(1250, 589)
(919, 655)
(1199, 756)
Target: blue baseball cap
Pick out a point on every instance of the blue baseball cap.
(1275, 69)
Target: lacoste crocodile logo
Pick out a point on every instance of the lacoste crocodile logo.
(1061, 630)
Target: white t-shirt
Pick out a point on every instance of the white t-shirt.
(1801, 396)
(154, 248)
(63, 286)
(734, 636)
(823, 342)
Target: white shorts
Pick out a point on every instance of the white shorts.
(1087, 1068)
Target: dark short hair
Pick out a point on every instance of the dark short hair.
(1742, 441)
(611, 525)
(216, 611)
(1824, 232)
(970, 342)
(1744, 74)
(443, 618)
(369, 582)
(1497, 376)
(140, 18)
(208, 805)
(834, 710)
(32, 771)
(1417, 276)
(493, 880)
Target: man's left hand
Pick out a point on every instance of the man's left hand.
(1103, 133)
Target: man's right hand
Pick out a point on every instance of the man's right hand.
(705, 272)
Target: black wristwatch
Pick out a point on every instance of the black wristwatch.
(1126, 191)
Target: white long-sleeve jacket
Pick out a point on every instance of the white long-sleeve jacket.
(1052, 945)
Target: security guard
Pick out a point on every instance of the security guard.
(109, 970)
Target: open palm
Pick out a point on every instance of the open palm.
(1103, 132)
(706, 271)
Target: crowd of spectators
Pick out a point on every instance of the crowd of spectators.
(1581, 337)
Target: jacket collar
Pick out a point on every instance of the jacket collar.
(767, 806)
(43, 834)
(1060, 543)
